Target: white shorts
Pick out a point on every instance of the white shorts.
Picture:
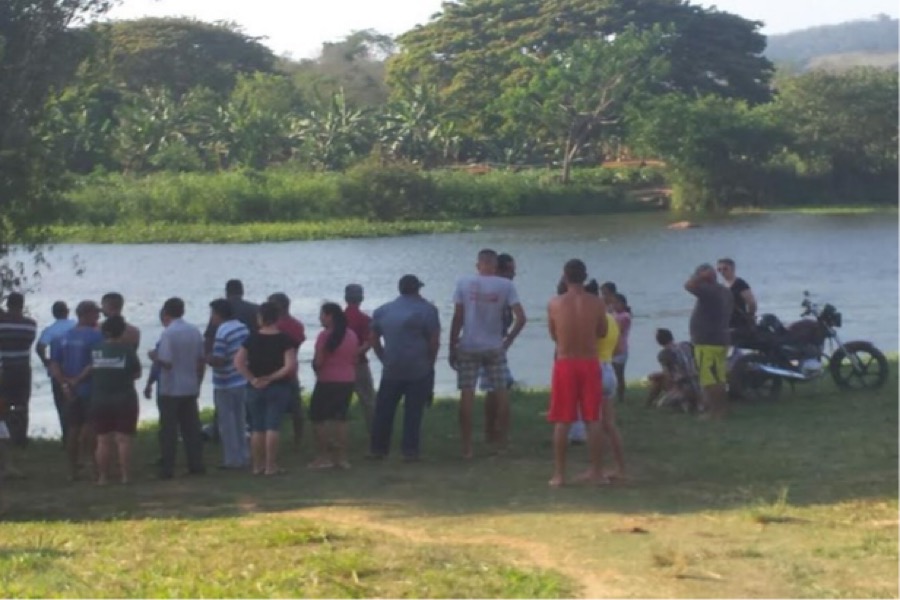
(610, 381)
(4, 431)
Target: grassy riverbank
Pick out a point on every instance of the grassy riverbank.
(790, 499)
(246, 233)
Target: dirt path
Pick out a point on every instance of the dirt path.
(531, 554)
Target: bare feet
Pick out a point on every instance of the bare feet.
(557, 481)
(591, 477)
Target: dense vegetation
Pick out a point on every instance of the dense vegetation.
(122, 110)
(864, 42)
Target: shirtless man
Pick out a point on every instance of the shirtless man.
(111, 305)
(576, 320)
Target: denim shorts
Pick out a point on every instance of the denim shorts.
(267, 406)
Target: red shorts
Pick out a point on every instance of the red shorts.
(117, 418)
(577, 389)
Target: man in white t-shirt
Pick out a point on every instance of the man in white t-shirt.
(477, 342)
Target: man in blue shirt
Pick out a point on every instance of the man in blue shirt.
(405, 337)
(70, 367)
(60, 326)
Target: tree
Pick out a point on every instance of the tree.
(714, 147)
(845, 124)
(354, 65)
(417, 128)
(333, 134)
(179, 54)
(578, 95)
(472, 51)
(35, 56)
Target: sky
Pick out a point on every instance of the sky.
(299, 27)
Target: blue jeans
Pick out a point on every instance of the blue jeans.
(231, 418)
(268, 405)
(416, 394)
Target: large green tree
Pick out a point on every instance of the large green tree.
(844, 124)
(36, 47)
(576, 97)
(178, 54)
(472, 50)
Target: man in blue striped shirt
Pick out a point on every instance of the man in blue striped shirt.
(230, 387)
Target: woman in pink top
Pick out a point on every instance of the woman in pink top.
(337, 350)
(622, 314)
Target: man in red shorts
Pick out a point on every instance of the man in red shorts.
(576, 320)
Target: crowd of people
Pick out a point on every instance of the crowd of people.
(252, 353)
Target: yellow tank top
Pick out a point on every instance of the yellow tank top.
(607, 345)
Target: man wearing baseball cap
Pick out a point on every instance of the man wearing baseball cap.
(406, 335)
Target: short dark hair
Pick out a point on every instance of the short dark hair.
(269, 313)
(113, 327)
(727, 261)
(487, 254)
(592, 287)
(174, 307)
(504, 262)
(222, 308)
(609, 287)
(575, 271)
(60, 310)
(115, 300)
(15, 301)
(85, 308)
(664, 336)
(234, 287)
(281, 300)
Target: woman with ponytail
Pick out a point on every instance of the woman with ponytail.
(335, 366)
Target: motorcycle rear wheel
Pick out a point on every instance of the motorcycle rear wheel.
(749, 382)
(868, 372)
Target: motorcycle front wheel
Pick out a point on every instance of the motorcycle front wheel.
(861, 367)
(749, 382)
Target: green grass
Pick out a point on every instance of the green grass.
(820, 210)
(796, 498)
(149, 233)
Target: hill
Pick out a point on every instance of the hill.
(871, 42)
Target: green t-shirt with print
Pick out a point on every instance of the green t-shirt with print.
(115, 367)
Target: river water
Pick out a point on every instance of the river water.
(849, 260)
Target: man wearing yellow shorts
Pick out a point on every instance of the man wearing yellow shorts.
(710, 335)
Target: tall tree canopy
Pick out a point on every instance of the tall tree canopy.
(179, 54)
(35, 51)
(471, 50)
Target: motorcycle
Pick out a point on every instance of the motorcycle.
(804, 351)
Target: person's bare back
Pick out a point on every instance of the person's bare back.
(577, 321)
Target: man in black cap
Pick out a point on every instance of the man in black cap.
(405, 337)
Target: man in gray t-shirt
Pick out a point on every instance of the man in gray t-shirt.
(709, 334)
(477, 342)
(405, 336)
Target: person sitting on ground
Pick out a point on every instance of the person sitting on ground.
(114, 404)
(337, 350)
(267, 360)
(676, 385)
(576, 320)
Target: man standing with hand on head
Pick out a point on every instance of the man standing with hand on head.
(710, 335)
(477, 342)
(576, 320)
